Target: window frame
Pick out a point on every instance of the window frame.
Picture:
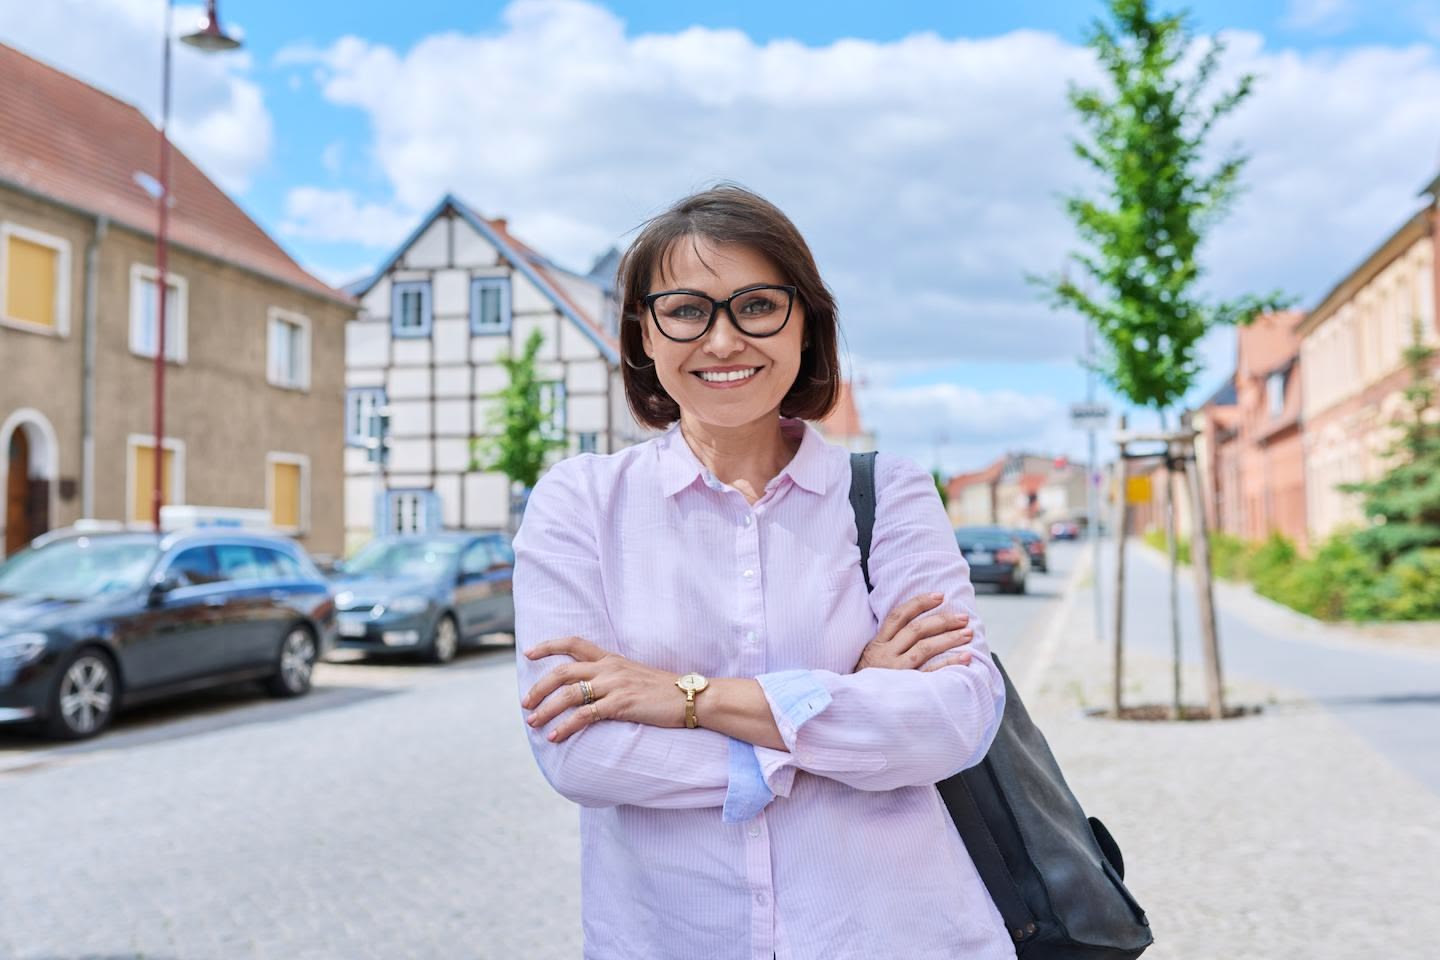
(135, 441)
(181, 341)
(558, 394)
(427, 508)
(61, 246)
(427, 320)
(278, 315)
(593, 444)
(1276, 389)
(477, 286)
(353, 436)
(293, 459)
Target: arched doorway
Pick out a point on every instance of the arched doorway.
(27, 447)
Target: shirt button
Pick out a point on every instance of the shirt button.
(755, 830)
(750, 636)
(761, 899)
(749, 574)
(749, 519)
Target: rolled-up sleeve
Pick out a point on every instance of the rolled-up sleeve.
(559, 593)
(882, 729)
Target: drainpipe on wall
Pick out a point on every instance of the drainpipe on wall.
(87, 403)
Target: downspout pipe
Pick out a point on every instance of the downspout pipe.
(87, 381)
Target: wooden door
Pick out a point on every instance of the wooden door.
(17, 493)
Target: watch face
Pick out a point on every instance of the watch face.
(692, 681)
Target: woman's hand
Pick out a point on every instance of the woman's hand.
(908, 639)
(623, 690)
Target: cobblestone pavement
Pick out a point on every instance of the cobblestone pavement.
(395, 812)
(1280, 835)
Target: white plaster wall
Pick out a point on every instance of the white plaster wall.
(487, 349)
(376, 301)
(365, 378)
(484, 409)
(408, 383)
(487, 500)
(585, 414)
(410, 456)
(588, 377)
(525, 297)
(450, 293)
(547, 324)
(357, 461)
(451, 417)
(471, 249)
(407, 481)
(431, 250)
(409, 418)
(412, 353)
(452, 455)
(550, 371)
(360, 501)
(452, 381)
(448, 487)
(367, 344)
(452, 341)
(490, 378)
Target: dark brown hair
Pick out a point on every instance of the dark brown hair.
(727, 214)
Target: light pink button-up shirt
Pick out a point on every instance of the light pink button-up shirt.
(699, 847)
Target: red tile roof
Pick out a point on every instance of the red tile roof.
(70, 142)
(959, 482)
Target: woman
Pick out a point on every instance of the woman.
(700, 665)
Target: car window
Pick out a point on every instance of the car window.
(195, 567)
(477, 559)
(503, 553)
(239, 563)
(282, 566)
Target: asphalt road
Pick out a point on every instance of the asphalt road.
(395, 812)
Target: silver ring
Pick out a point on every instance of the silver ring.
(587, 692)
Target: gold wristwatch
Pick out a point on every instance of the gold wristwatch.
(691, 684)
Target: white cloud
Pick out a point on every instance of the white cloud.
(924, 171)
(1326, 15)
(218, 114)
(336, 216)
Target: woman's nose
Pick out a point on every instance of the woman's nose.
(724, 339)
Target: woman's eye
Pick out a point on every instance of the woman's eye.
(757, 307)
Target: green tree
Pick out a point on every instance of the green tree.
(940, 488)
(519, 449)
(1404, 504)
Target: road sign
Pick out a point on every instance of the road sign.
(1137, 489)
(1089, 416)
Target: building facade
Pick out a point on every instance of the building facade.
(1270, 453)
(254, 344)
(1353, 369)
(460, 294)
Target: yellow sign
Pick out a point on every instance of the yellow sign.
(1137, 489)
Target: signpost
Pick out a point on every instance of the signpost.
(1090, 417)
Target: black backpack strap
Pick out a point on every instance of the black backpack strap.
(985, 853)
(862, 501)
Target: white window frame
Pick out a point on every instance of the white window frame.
(276, 315)
(423, 499)
(557, 392)
(1275, 390)
(140, 272)
(177, 472)
(303, 462)
(589, 442)
(357, 434)
(61, 246)
(427, 318)
(477, 286)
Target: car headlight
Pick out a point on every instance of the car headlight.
(408, 605)
(21, 648)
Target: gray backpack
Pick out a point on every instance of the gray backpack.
(1056, 877)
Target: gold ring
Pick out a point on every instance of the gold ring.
(586, 692)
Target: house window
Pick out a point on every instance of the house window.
(1275, 392)
(34, 280)
(144, 306)
(410, 308)
(552, 410)
(589, 442)
(362, 407)
(289, 350)
(489, 305)
(287, 491)
(140, 475)
(411, 511)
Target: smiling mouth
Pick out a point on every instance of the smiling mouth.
(728, 376)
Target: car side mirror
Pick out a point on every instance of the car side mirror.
(161, 588)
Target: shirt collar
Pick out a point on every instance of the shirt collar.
(679, 467)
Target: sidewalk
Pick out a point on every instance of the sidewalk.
(1279, 835)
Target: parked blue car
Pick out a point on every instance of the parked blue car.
(93, 621)
(425, 594)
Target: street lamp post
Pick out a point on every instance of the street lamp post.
(211, 39)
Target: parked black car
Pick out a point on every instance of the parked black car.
(91, 622)
(425, 594)
(995, 556)
(1034, 547)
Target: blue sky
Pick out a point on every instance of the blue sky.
(925, 171)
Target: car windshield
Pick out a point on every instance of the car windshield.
(983, 537)
(404, 558)
(78, 568)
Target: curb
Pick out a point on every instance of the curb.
(1043, 654)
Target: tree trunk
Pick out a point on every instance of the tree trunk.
(1122, 511)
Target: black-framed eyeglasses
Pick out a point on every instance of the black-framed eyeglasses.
(687, 315)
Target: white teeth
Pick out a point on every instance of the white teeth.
(731, 375)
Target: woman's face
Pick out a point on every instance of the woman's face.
(766, 367)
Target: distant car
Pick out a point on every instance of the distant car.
(1064, 530)
(995, 556)
(1035, 547)
(94, 621)
(425, 594)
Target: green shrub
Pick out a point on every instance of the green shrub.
(1155, 537)
(1230, 556)
(1270, 564)
(1410, 589)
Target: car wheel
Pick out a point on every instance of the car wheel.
(445, 641)
(84, 697)
(297, 664)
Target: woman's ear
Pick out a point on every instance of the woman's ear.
(645, 339)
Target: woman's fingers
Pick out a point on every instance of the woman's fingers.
(566, 673)
(577, 648)
(575, 721)
(926, 627)
(904, 613)
(932, 647)
(958, 660)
